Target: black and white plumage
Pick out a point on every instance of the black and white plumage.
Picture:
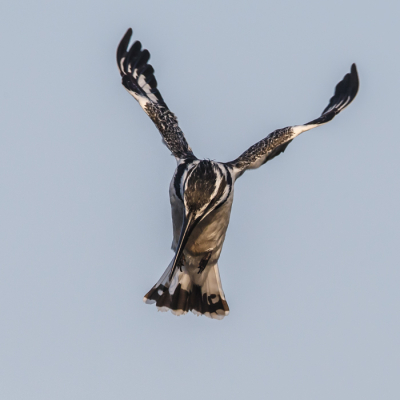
(201, 191)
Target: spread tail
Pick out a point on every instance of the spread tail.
(181, 294)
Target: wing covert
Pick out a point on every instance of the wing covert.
(276, 142)
(139, 80)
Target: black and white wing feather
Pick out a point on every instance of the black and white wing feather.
(276, 142)
(139, 80)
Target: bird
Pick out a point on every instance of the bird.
(201, 191)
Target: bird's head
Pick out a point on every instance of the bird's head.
(204, 189)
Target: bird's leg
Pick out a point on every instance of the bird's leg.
(181, 262)
(204, 262)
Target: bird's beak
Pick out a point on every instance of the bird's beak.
(189, 222)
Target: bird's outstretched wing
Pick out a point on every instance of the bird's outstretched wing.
(276, 142)
(139, 80)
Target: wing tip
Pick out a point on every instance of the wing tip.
(123, 46)
(353, 69)
(349, 82)
(355, 80)
(346, 88)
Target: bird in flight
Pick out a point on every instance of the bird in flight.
(201, 191)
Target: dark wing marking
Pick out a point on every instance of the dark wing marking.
(276, 142)
(139, 80)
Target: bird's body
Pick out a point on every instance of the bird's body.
(197, 181)
(209, 234)
(201, 191)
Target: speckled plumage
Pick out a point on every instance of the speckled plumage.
(275, 140)
(201, 191)
(167, 123)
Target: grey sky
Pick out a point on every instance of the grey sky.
(310, 265)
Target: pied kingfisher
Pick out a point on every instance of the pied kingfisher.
(201, 191)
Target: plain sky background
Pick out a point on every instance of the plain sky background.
(310, 264)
